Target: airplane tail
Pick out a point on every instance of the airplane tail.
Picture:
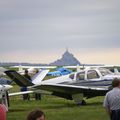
(23, 81)
(39, 76)
(18, 79)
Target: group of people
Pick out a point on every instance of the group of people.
(111, 104)
(27, 96)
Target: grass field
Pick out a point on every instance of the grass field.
(58, 109)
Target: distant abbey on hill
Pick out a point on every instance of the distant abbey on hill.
(67, 59)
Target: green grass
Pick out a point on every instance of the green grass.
(58, 109)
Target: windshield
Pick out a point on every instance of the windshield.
(104, 71)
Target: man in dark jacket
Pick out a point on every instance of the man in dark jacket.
(26, 96)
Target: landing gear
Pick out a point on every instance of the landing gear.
(78, 98)
(81, 103)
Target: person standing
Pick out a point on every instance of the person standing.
(112, 101)
(23, 89)
(37, 95)
(27, 75)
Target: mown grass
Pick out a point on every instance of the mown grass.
(58, 109)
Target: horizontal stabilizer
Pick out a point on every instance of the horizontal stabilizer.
(18, 79)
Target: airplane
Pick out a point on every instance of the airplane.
(113, 68)
(87, 83)
(59, 72)
(5, 87)
(31, 69)
(37, 67)
(4, 94)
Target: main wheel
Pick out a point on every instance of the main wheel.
(83, 102)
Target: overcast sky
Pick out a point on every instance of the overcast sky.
(40, 30)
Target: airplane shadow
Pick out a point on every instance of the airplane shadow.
(57, 106)
(94, 104)
(71, 105)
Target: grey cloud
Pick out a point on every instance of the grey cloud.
(55, 24)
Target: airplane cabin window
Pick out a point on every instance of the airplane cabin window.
(92, 74)
(71, 76)
(104, 71)
(80, 76)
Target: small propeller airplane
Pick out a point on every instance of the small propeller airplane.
(4, 94)
(88, 83)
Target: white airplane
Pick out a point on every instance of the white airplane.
(113, 68)
(31, 69)
(87, 83)
(4, 94)
(4, 88)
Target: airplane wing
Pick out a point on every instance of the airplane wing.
(19, 79)
(72, 87)
(88, 91)
(28, 92)
(20, 93)
(37, 67)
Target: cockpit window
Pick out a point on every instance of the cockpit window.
(104, 71)
(80, 76)
(92, 74)
(71, 76)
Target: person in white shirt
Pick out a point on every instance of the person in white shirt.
(112, 100)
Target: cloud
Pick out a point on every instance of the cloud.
(51, 25)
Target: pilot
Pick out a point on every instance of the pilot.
(112, 100)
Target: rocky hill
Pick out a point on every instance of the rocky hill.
(67, 59)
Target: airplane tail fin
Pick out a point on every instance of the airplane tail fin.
(20, 69)
(18, 79)
(39, 76)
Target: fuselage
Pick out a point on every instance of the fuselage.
(97, 77)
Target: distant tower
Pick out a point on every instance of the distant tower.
(67, 49)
